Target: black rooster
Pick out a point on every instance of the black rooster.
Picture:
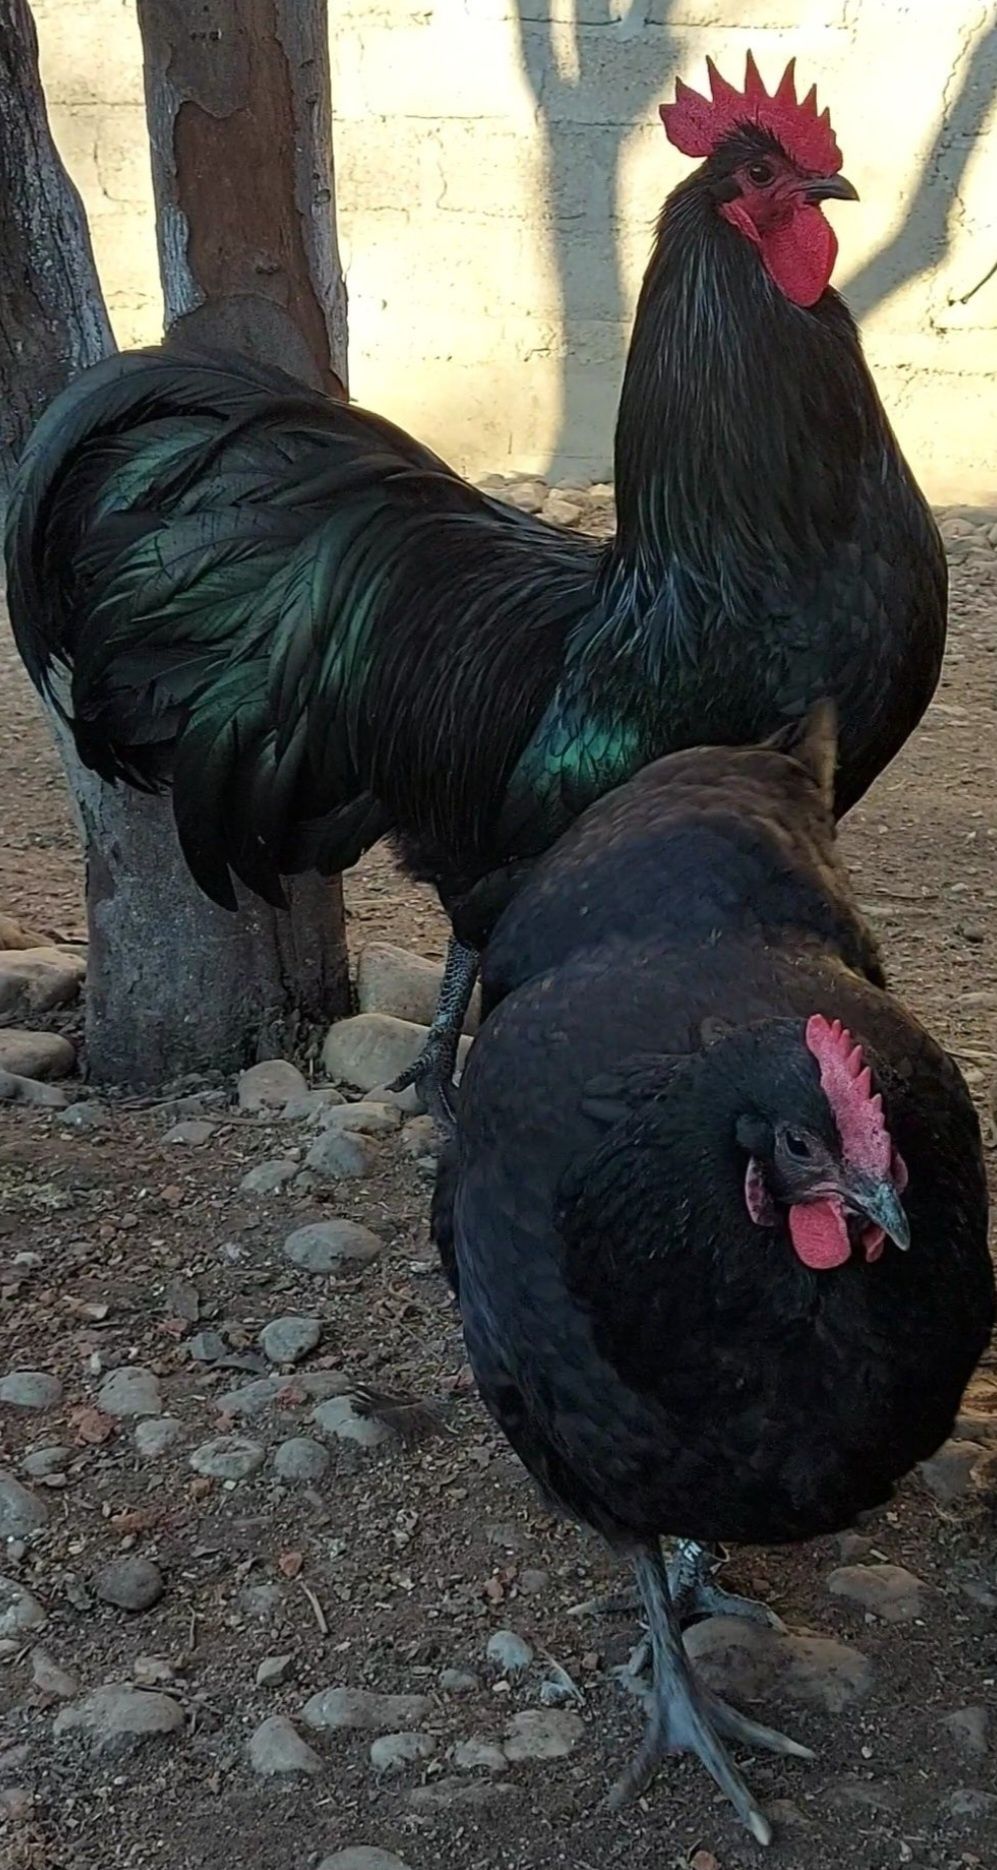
(317, 633)
(714, 1284)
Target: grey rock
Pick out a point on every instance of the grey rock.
(339, 1417)
(749, 1662)
(480, 1753)
(954, 1471)
(528, 495)
(156, 1435)
(18, 1090)
(42, 1463)
(968, 1727)
(363, 1857)
(115, 1718)
(130, 1583)
(270, 1085)
(336, 1156)
(131, 1391)
(19, 1611)
(85, 1118)
(321, 1384)
(205, 1347)
(277, 1751)
(312, 1106)
(250, 1399)
(406, 986)
(364, 1711)
(288, 1340)
(268, 1177)
(274, 1671)
(34, 1054)
(887, 1591)
(21, 1511)
(392, 1753)
(33, 981)
(543, 1734)
(47, 1676)
(509, 1652)
(262, 1602)
(301, 1459)
(228, 1457)
(325, 1246)
(373, 1048)
(192, 1133)
(30, 1389)
(969, 1805)
(362, 1119)
(459, 1682)
(561, 512)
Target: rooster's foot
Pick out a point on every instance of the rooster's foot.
(691, 1580)
(431, 1075)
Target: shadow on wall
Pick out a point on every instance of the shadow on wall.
(567, 65)
(924, 239)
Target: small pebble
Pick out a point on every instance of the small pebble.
(268, 1177)
(228, 1457)
(206, 1347)
(968, 1728)
(130, 1391)
(276, 1750)
(50, 1678)
(543, 1734)
(509, 1652)
(194, 1132)
(479, 1752)
(338, 1417)
(30, 1389)
(288, 1340)
(365, 1711)
(459, 1682)
(250, 1399)
(155, 1435)
(19, 1611)
(115, 1717)
(391, 1753)
(130, 1583)
(85, 1118)
(301, 1459)
(887, 1591)
(21, 1511)
(42, 1463)
(324, 1246)
(273, 1671)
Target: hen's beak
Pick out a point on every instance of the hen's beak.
(830, 188)
(880, 1203)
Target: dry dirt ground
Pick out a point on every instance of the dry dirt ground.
(400, 1562)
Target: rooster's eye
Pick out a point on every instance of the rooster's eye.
(760, 172)
(797, 1145)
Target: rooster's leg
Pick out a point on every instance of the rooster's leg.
(683, 1717)
(433, 1071)
(692, 1570)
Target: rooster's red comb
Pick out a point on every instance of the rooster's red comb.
(697, 124)
(846, 1082)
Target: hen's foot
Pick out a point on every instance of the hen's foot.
(692, 1573)
(431, 1075)
(683, 1717)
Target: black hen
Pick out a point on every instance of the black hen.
(722, 1265)
(316, 632)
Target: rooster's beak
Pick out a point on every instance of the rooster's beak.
(831, 188)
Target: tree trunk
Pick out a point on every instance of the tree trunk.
(175, 984)
(53, 320)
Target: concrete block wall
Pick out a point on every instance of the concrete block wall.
(499, 167)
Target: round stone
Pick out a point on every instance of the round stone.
(19, 1611)
(111, 1717)
(392, 1753)
(130, 1583)
(270, 1085)
(21, 1511)
(301, 1459)
(155, 1435)
(288, 1340)
(277, 1751)
(129, 1392)
(509, 1652)
(888, 1591)
(228, 1457)
(30, 1389)
(42, 1463)
(325, 1246)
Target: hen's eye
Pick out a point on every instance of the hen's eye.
(760, 172)
(797, 1145)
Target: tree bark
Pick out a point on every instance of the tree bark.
(53, 320)
(175, 984)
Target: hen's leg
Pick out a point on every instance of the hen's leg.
(692, 1570)
(683, 1717)
(433, 1071)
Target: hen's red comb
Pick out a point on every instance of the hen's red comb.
(846, 1082)
(697, 124)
